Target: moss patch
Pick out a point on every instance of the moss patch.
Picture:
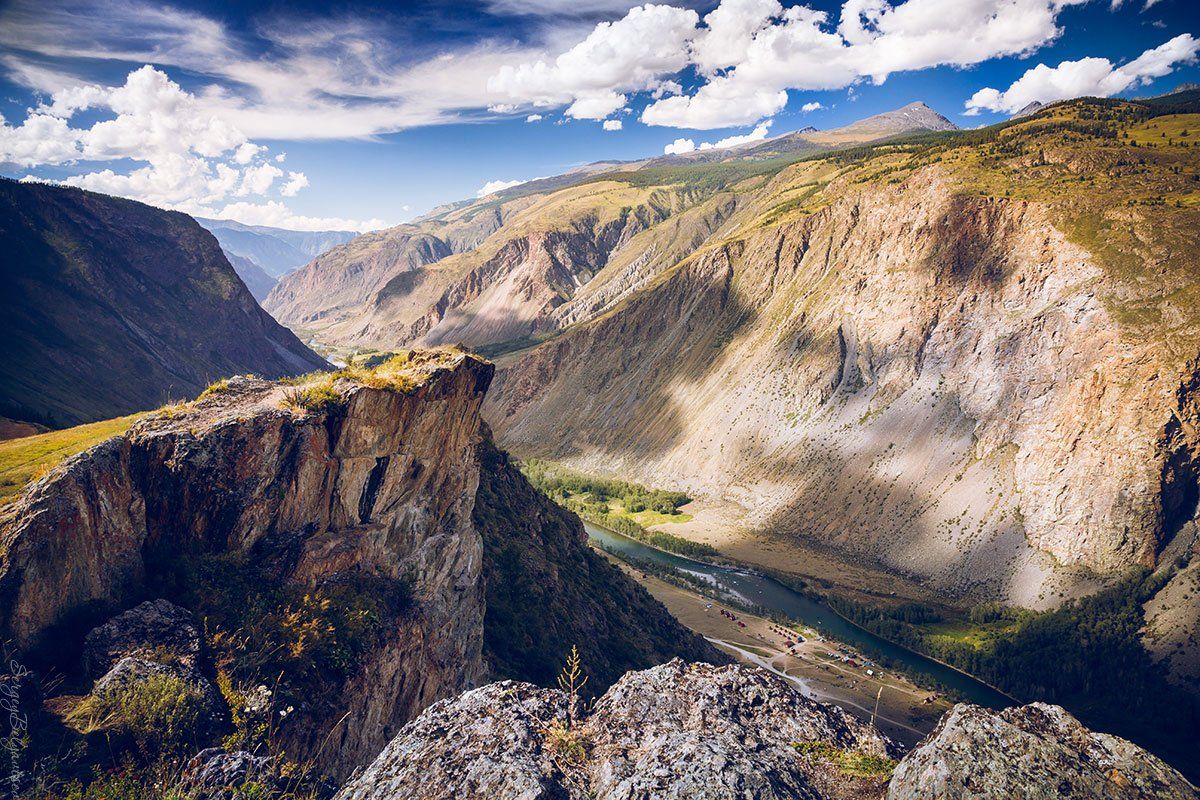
(851, 763)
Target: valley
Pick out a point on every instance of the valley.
(856, 463)
(895, 371)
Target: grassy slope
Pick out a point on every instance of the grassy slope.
(24, 460)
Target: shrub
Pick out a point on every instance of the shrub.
(160, 713)
(318, 398)
(216, 387)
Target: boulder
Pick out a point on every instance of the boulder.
(157, 629)
(1035, 751)
(674, 731)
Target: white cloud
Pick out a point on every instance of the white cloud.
(258, 180)
(247, 151)
(757, 135)
(40, 139)
(185, 158)
(679, 147)
(491, 187)
(280, 158)
(755, 52)
(634, 53)
(813, 106)
(729, 31)
(295, 182)
(1096, 77)
(612, 125)
(277, 215)
(595, 105)
(534, 118)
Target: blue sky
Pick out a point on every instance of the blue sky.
(363, 114)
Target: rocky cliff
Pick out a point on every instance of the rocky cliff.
(112, 306)
(695, 731)
(955, 361)
(494, 272)
(339, 542)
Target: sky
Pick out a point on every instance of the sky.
(358, 115)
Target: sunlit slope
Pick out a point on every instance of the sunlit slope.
(967, 357)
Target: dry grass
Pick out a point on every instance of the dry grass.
(402, 373)
(24, 460)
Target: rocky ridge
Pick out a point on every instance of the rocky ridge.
(696, 731)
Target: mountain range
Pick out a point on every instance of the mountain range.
(941, 385)
(261, 254)
(912, 356)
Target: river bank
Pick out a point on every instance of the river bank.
(752, 591)
(814, 663)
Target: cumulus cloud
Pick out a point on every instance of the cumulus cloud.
(295, 182)
(491, 187)
(750, 53)
(635, 53)
(766, 50)
(681, 146)
(184, 158)
(757, 135)
(595, 105)
(612, 125)
(534, 118)
(277, 215)
(1097, 77)
(813, 106)
(247, 151)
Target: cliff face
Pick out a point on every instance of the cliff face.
(303, 532)
(385, 486)
(958, 370)
(695, 731)
(952, 362)
(495, 272)
(547, 591)
(136, 304)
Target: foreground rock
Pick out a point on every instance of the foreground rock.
(151, 629)
(698, 731)
(331, 539)
(1036, 751)
(674, 731)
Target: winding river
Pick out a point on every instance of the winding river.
(768, 593)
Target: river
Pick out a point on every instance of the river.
(768, 593)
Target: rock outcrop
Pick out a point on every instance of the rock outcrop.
(112, 306)
(343, 530)
(674, 731)
(711, 733)
(1035, 751)
(383, 485)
